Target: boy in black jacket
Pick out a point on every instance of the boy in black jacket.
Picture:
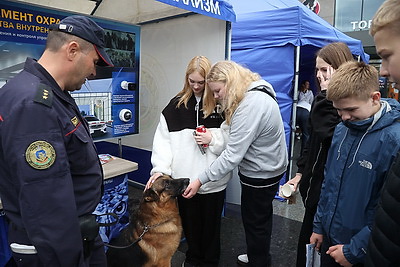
(384, 244)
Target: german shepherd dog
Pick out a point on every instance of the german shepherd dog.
(154, 231)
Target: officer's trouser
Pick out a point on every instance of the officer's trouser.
(96, 259)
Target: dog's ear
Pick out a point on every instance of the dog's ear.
(150, 195)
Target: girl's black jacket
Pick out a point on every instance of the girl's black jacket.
(323, 120)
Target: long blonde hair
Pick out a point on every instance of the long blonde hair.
(202, 65)
(236, 79)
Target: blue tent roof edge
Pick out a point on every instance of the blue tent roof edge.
(302, 28)
(219, 9)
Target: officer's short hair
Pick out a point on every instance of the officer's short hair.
(56, 39)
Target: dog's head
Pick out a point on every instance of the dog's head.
(165, 188)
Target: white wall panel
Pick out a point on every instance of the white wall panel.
(80, 6)
(166, 49)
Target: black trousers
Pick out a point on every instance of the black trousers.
(201, 221)
(304, 236)
(302, 115)
(257, 211)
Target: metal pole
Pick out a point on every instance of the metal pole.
(98, 2)
(295, 99)
(228, 39)
(120, 147)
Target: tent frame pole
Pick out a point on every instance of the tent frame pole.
(294, 107)
(228, 40)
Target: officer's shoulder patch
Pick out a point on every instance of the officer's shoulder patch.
(44, 95)
(40, 155)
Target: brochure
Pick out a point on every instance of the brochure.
(313, 256)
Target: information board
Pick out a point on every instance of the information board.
(110, 100)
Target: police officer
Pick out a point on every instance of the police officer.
(50, 175)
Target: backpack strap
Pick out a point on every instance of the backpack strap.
(264, 89)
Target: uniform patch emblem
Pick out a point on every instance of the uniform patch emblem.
(40, 155)
(75, 121)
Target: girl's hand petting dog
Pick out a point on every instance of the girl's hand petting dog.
(152, 179)
(192, 189)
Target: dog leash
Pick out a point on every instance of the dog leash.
(145, 230)
(115, 216)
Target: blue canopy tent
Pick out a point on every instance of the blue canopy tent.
(279, 39)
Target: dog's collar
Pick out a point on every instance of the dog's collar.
(147, 228)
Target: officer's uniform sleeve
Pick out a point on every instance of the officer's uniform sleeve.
(39, 165)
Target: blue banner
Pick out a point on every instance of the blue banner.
(218, 9)
(24, 25)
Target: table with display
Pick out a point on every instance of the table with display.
(115, 197)
(5, 252)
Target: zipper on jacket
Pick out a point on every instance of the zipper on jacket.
(312, 171)
(336, 206)
(197, 109)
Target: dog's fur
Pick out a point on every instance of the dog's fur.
(158, 210)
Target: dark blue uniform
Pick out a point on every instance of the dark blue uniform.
(50, 174)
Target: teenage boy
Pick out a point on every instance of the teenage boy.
(384, 245)
(364, 145)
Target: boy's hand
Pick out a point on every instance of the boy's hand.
(317, 240)
(336, 252)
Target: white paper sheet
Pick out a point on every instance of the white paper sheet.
(313, 256)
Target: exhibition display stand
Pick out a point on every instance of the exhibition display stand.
(5, 253)
(115, 197)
